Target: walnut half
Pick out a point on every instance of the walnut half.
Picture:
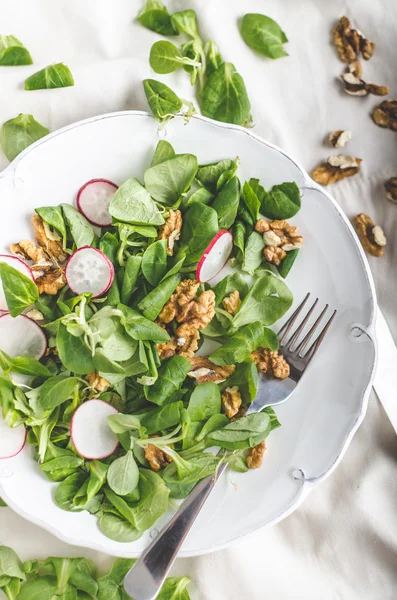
(231, 401)
(255, 456)
(350, 43)
(385, 115)
(371, 236)
(354, 86)
(271, 362)
(336, 168)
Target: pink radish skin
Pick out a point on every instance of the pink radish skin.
(215, 256)
(93, 200)
(16, 263)
(21, 336)
(90, 432)
(12, 439)
(89, 270)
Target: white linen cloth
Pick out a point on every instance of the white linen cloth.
(342, 543)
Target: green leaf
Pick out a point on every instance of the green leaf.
(155, 16)
(73, 352)
(152, 304)
(186, 22)
(286, 265)
(267, 301)
(163, 102)
(13, 52)
(282, 202)
(166, 58)
(251, 201)
(121, 423)
(245, 377)
(209, 175)
(18, 133)
(132, 203)
(53, 76)
(190, 471)
(239, 236)
(119, 530)
(263, 35)
(168, 180)
(200, 196)
(224, 96)
(2, 503)
(25, 365)
(175, 588)
(44, 588)
(19, 290)
(140, 328)
(130, 277)
(230, 283)
(204, 402)
(52, 215)
(10, 565)
(65, 492)
(154, 262)
(215, 422)
(96, 480)
(245, 432)
(153, 500)
(123, 474)
(172, 374)
(253, 253)
(200, 225)
(118, 347)
(81, 230)
(56, 390)
(119, 570)
(226, 203)
(163, 151)
(238, 348)
(109, 244)
(162, 418)
(213, 57)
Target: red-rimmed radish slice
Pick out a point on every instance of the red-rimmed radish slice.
(90, 432)
(12, 439)
(21, 336)
(215, 256)
(93, 200)
(16, 263)
(89, 270)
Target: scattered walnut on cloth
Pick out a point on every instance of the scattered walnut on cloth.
(385, 114)
(371, 236)
(336, 168)
(350, 43)
(391, 189)
(339, 138)
(355, 86)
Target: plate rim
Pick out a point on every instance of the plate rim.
(308, 184)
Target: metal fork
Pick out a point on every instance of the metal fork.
(146, 577)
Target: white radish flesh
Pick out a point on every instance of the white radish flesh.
(93, 201)
(21, 336)
(12, 439)
(90, 432)
(215, 256)
(89, 270)
(16, 263)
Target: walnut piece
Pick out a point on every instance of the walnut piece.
(271, 362)
(255, 456)
(356, 86)
(274, 255)
(385, 115)
(370, 235)
(184, 293)
(336, 168)
(51, 246)
(232, 302)
(184, 346)
(339, 138)
(167, 349)
(97, 382)
(231, 401)
(350, 43)
(203, 370)
(157, 458)
(391, 189)
(28, 250)
(280, 237)
(196, 315)
(51, 282)
(171, 230)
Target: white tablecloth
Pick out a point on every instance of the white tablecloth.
(342, 543)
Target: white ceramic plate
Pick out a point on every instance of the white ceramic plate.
(318, 422)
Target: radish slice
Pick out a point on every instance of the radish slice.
(90, 432)
(21, 336)
(12, 439)
(93, 201)
(215, 256)
(18, 264)
(89, 270)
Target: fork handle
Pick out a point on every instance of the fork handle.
(145, 578)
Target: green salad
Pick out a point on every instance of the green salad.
(119, 360)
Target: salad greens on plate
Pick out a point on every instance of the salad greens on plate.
(120, 363)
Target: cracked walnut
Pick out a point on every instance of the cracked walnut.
(171, 230)
(271, 362)
(231, 401)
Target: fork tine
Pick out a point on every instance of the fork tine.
(288, 324)
(316, 344)
(310, 333)
(299, 329)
